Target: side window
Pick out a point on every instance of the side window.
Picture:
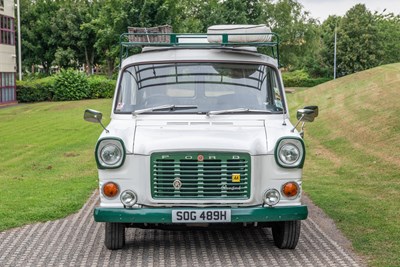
(128, 92)
(277, 98)
(7, 31)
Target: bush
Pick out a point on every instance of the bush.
(35, 90)
(70, 85)
(300, 78)
(101, 87)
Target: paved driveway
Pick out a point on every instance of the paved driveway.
(78, 241)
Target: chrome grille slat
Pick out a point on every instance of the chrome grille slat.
(201, 179)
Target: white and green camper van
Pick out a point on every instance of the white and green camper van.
(200, 136)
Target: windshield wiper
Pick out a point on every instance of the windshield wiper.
(236, 110)
(164, 107)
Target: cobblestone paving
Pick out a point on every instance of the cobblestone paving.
(78, 241)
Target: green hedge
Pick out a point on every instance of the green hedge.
(101, 87)
(35, 90)
(68, 85)
(300, 78)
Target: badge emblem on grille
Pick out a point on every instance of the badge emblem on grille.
(200, 157)
(177, 183)
(225, 187)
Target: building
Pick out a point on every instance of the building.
(7, 53)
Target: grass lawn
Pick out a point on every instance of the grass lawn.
(47, 168)
(352, 170)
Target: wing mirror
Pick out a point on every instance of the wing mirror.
(92, 115)
(307, 114)
(315, 108)
(95, 116)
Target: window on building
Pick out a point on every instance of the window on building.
(7, 32)
(7, 87)
(1, 4)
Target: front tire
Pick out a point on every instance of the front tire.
(115, 236)
(286, 234)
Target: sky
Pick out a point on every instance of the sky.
(321, 9)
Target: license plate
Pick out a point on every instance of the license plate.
(201, 216)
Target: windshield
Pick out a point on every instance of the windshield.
(202, 86)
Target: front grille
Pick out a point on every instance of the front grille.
(200, 175)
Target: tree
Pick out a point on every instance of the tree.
(68, 33)
(327, 47)
(240, 12)
(389, 36)
(298, 32)
(38, 43)
(85, 45)
(111, 21)
(77, 36)
(156, 12)
(64, 26)
(358, 45)
(58, 33)
(197, 15)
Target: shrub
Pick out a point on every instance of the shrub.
(70, 85)
(300, 78)
(101, 87)
(35, 90)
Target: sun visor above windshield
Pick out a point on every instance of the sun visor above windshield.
(248, 33)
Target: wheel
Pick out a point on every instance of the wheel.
(286, 234)
(115, 236)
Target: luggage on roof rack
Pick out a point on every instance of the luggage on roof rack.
(140, 34)
(240, 33)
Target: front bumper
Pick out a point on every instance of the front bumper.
(164, 215)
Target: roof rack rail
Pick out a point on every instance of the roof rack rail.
(201, 40)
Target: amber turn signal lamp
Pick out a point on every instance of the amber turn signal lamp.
(110, 190)
(290, 189)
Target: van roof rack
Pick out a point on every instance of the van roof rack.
(198, 40)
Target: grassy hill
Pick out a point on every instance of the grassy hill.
(352, 169)
(47, 168)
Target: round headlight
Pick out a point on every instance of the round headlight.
(290, 152)
(111, 154)
(128, 198)
(271, 197)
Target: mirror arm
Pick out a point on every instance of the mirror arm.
(105, 129)
(302, 116)
(302, 126)
(302, 130)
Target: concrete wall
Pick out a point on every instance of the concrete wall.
(7, 52)
(7, 58)
(8, 9)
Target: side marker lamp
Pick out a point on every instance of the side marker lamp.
(110, 190)
(291, 190)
